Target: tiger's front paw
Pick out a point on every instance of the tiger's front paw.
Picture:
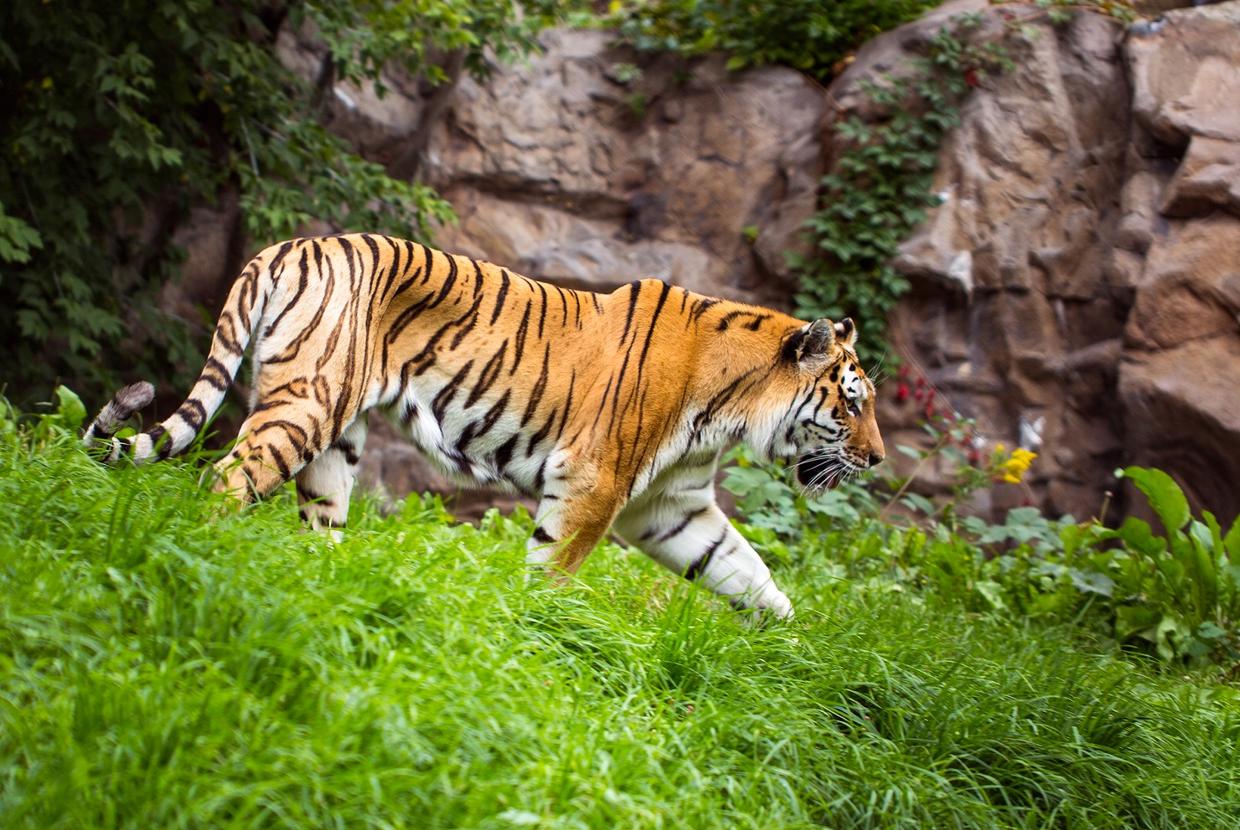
(776, 603)
(769, 605)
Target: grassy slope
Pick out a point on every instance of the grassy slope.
(160, 667)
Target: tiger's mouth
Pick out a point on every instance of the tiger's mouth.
(817, 472)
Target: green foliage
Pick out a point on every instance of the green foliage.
(1179, 594)
(878, 190)
(165, 663)
(809, 35)
(116, 119)
(1180, 591)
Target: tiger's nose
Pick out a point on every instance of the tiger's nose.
(876, 458)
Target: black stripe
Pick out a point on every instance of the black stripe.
(540, 386)
(478, 279)
(503, 453)
(350, 451)
(487, 376)
(635, 289)
(698, 565)
(602, 406)
(426, 357)
(226, 338)
(472, 314)
(447, 283)
(194, 408)
(564, 301)
(303, 280)
(542, 433)
(391, 275)
(615, 402)
(700, 307)
(481, 427)
(155, 433)
(212, 366)
(445, 395)
(542, 312)
(347, 247)
(503, 293)
(641, 361)
(374, 252)
(542, 537)
(568, 404)
(280, 462)
(521, 332)
(681, 525)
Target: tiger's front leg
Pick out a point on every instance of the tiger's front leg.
(683, 529)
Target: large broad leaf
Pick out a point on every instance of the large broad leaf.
(69, 408)
(1139, 538)
(1231, 542)
(1164, 495)
(1138, 620)
(1172, 637)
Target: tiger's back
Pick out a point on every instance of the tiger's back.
(600, 406)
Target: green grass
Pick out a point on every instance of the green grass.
(161, 666)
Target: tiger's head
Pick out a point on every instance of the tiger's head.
(830, 429)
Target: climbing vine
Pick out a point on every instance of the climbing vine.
(879, 188)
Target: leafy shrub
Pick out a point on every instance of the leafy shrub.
(1181, 591)
(116, 118)
(1177, 595)
(810, 35)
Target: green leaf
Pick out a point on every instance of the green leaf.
(1090, 582)
(1231, 542)
(1136, 621)
(1138, 537)
(1172, 637)
(1164, 495)
(70, 410)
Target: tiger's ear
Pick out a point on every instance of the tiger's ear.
(810, 341)
(846, 332)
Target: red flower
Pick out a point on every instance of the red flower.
(970, 78)
(902, 392)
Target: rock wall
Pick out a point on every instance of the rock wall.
(1077, 290)
(590, 166)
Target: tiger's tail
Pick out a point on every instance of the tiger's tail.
(242, 313)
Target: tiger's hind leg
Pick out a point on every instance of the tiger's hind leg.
(682, 528)
(273, 445)
(324, 485)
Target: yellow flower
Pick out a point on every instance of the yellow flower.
(1013, 468)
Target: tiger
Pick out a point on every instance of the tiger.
(610, 410)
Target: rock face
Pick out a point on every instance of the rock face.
(1179, 380)
(1078, 289)
(591, 167)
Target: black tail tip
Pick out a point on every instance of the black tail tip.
(133, 397)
